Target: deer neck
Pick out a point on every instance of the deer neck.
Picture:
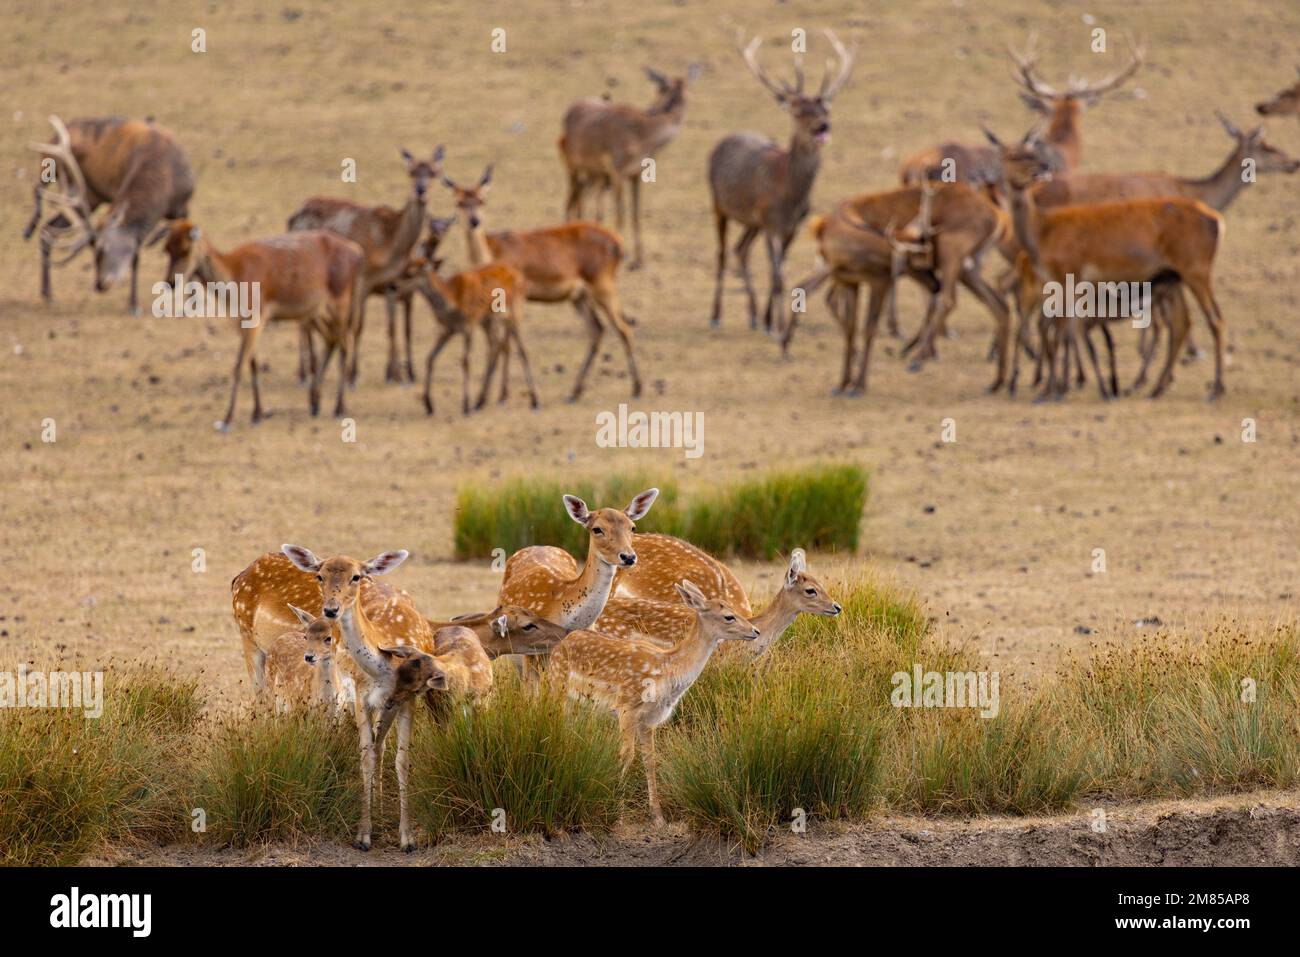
(1222, 186)
(409, 225)
(687, 658)
(479, 251)
(213, 266)
(662, 125)
(773, 620)
(1063, 132)
(356, 629)
(326, 690)
(805, 159)
(439, 294)
(582, 600)
(1024, 218)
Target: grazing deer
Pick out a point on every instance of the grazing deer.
(390, 671)
(300, 663)
(1283, 103)
(664, 560)
(546, 580)
(1136, 240)
(136, 167)
(981, 167)
(859, 245)
(667, 622)
(576, 262)
(313, 278)
(642, 681)
(466, 667)
(766, 188)
(386, 236)
(508, 630)
(608, 143)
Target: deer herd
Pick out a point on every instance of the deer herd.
(629, 631)
(1028, 199)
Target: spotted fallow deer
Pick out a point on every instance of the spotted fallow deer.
(577, 262)
(666, 622)
(607, 144)
(767, 188)
(136, 167)
(312, 278)
(300, 664)
(387, 237)
(389, 668)
(662, 561)
(508, 630)
(643, 681)
(1283, 103)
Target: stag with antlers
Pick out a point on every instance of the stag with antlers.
(765, 188)
(136, 167)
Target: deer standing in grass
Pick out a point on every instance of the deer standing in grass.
(386, 236)
(136, 167)
(662, 561)
(1135, 240)
(1283, 103)
(767, 188)
(607, 144)
(312, 278)
(576, 262)
(642, 681)
(666, 622)
(389, 668)
(300, 664)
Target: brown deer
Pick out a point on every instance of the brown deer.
(136, 167)
(662, 561)
(300, 664)
(508, 630)
(386, 236)
(1135, 240)
(576, 262)
(642, 681)
(859, 243)
(768, 189)
(606, 144)
(668, 621)
(313, 278)
(1283, 103)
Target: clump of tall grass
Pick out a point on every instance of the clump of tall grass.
(548, 764)
(70, 784)
(265, 777)
(817, 508)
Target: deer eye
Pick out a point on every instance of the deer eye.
(729, 617)
(597, 531)
(810, 591)
(356, 578)
(320, 578)
(530, 627)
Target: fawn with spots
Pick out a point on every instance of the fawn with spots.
(300, 664)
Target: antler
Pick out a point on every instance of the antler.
(1024, 72)
(1136, 54)
(747, 54)
(846, 57)
(72, 203)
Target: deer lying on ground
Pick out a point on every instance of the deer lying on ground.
(642, 681)
(1283, 103)
(768, 189)
(313, 278)
(1136, 240)
(606, 144)
(136, 167)
(576, 262)
(666, 622)
(300, 664)
(386, 236)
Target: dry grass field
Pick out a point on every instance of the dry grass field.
(995, 531)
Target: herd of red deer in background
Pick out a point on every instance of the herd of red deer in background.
(1027, 199)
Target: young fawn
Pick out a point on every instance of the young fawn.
(300, 664)
(642, 681)
(667, 622)
(388, 674)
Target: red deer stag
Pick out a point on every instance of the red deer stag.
(606, 144)
(386, 236)
(768, 189)
(576, 262)
(136, 167)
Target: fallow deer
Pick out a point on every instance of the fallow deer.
(576, 262)
(300, 664)
(1283, 103)
(312, 278)
(1136, 240)
(607, 144)
(136, 167)
(768, 189)
(666, 622)
(390, 670)
(508, 630)
(386, 236)
(642, 681)
(662, 561)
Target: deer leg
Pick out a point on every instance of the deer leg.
(356, 340)
(720, 223)
(646, 740)
(875, 304)
(258, 415)
(843, 300)
(318, 376)
(776, 247)
(573, 202)
(743, 246)
(614, 184)
(997, 306)
(634, 186)
(464, 373)
(1150, 337)
(897, 266)
(247, 339)
(523, 357)
(443, 337)
(1092, 357)
(605, 299)
(1204, 293)
(134, 306)
(502, 334)
(340, 401)
(1110, 354)
(306, 354)
(393, 372)
(493, 343)
(1178, 324)
(409, 371)
(405, 837)
(594, 331)
(362, 843)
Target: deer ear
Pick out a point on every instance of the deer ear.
(438, 153)
(991, 136)
(798, 565)
(486, 179)
(194, 234)
(302, 558)
(691, 594)
(501, 626)
(641, 504)
(397, 651)
(304, 618)
(406, 155)
(577, 509)
(385, 563)
(1033, 102)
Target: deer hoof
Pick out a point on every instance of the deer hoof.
(221, 426)
(408, 847)
(362, 844)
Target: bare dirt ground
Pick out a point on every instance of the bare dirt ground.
(996, 531)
